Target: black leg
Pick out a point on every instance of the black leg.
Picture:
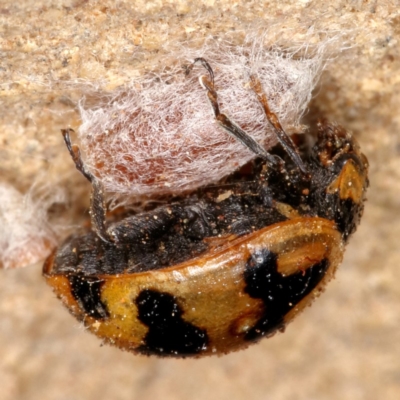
(224, 121)
(240, 134)
(97, 202)
(283, 137)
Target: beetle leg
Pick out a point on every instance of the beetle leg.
(97, 202)
(282, 136)
(208, 84)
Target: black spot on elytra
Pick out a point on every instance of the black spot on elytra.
(279, 293)
(168, 334)
(87, 292)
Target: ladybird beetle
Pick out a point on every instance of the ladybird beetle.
(216, 270)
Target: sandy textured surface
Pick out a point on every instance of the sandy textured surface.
(347, 346)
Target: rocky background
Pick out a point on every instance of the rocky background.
(346, 346)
